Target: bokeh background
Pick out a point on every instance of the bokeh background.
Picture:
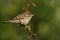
(45, 23)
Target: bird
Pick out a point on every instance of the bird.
(23, 18)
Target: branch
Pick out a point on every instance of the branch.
(31, 34)
(27, 6)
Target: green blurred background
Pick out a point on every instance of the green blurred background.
(45, 23)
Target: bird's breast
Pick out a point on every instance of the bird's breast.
(25, 20)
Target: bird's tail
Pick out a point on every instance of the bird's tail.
(13, 21)
(9, 21)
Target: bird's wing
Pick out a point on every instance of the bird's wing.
(21, 16)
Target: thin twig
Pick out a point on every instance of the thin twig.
(31, 34)
(27, 6)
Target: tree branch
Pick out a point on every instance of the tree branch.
(27, 6)
(31, 34)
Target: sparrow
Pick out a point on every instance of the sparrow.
(23, 18)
